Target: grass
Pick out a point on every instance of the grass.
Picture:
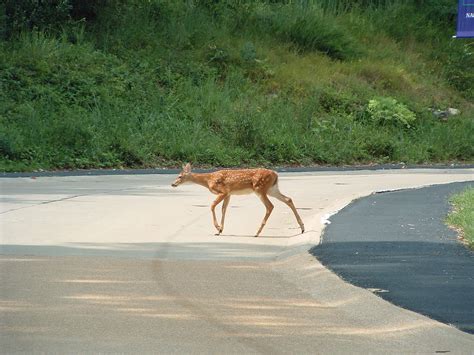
(462, 216)
(223, 83)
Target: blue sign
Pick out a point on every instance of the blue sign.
(465, 19)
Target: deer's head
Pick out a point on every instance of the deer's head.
(183, 175)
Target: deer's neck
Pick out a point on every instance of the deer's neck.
(200, 179)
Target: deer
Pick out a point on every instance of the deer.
(225, 183)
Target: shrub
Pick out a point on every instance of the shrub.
(387, 111)
(461, 57)
(50, 15)
(32, 14)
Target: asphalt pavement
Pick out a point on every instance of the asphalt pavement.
(398, 245)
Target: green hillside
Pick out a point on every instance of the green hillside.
(147, 83)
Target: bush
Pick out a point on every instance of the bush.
(24, 15)
(460, 58)
(387, 111)
(48, 15)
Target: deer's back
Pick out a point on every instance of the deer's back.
(242, 181)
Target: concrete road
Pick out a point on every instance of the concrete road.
(128, 264)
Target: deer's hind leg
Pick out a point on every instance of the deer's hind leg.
(275, 192)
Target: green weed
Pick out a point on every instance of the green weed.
(462, 216)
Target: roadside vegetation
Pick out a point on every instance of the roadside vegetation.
(462, 216)
(134, 83)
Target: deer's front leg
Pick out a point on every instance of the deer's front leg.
(213, 207)
(224, 209)
(269, 207)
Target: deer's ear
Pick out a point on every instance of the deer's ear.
(187, 168)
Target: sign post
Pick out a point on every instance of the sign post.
(465, 28)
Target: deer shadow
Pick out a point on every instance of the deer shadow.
(260, 237)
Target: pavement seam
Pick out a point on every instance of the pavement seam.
(44, 203)
(70, 198)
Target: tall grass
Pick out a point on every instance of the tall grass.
(224, 84)
(308, 27)
(462, 216)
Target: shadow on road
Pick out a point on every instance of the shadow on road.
(172, 251)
